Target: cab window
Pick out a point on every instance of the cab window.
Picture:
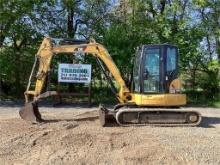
(136, 72)
(151, 73)
(171, 59)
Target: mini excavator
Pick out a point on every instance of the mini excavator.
(154, 97)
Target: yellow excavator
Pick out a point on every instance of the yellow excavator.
(154, 97)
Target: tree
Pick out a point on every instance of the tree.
(191, 25)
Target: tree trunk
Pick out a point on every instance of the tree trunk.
(70, 27)
(17, 63)
(0, 86)
(209, 48)
(17, 72)
(218, 48)
(70, 33)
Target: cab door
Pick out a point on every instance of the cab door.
(151, 70)
(171, 67)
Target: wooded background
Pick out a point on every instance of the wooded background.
(120, 25)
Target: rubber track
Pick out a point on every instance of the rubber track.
(158, 124)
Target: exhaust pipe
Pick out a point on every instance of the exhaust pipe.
(30, 112)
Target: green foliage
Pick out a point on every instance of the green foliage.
(191, 25)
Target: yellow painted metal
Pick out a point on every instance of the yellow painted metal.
(159, 99)
(175, 85)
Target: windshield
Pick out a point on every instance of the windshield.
(151, 70)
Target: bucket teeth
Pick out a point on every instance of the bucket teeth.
(30, 112)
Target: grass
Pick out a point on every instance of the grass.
(216, 104)
(199, 98)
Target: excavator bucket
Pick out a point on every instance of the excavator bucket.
(30, 112)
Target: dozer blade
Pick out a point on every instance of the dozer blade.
(106, 117)
(158, 117)
(30, 112)
(102, 116)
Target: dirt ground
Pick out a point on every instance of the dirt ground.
(74, 136)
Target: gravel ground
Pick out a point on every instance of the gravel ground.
(74, 136)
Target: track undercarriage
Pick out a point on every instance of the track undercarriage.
(129, 116)
(126, 116)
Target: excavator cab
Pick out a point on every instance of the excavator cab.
(156, 66)
(155, 76)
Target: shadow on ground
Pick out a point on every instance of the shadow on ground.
(110, 122)
(209, 122)
(90, 118)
